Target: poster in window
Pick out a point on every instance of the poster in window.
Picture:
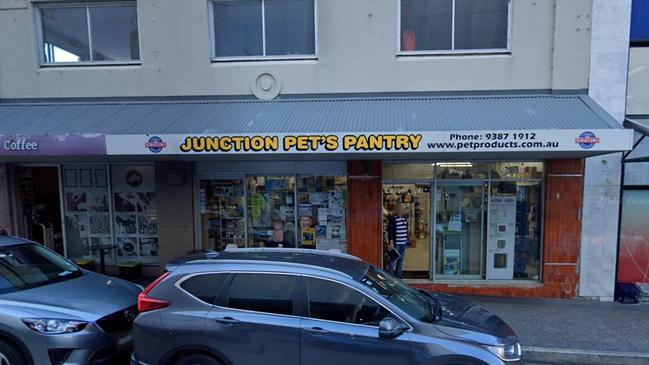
(85, 178)
(133, 179)
(260, 209)
(147, 225)
(125, 224)
(127, 246)
(97, 201)
(70, 177)
(146, 202)
(99, 224)
(125, 202)
(101, 179)
(75, 201)
(149, 246)
(337, 199)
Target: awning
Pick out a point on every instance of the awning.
(467, 126)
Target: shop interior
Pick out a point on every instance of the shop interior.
(483, 220)
(39, 204)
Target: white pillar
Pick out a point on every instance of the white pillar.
(608, 83)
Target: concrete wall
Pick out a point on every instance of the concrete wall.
(608, 76)
(357, 44)
(175, 209)
(638, 92)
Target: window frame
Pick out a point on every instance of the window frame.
(307, 307)
(224, 295)
(215, 59)
(226, 283)
(453, 51)
(87, 6)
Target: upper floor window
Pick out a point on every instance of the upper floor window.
(97, 33)
(447, 26)
(249, 29)
(640, 23)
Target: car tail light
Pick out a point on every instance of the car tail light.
(145, 303)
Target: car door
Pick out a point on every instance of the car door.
(341, 327)
(256, 321)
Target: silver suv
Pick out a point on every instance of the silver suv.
(292, 306)
(54, 313)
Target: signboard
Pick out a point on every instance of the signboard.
(502, 238)
(52, 145)
(606, 140)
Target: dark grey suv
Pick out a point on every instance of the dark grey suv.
(290, 306)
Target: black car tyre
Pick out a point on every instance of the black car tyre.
(9, 355)
(198, 359)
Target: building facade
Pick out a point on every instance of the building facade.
(165, 127)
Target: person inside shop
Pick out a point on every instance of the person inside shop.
(397, 240)
(277, 238)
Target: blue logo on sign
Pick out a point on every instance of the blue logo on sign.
(155, 144)
(587, 140)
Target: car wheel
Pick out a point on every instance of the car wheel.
(9, 355)
(198, 359)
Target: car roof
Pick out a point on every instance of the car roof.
(343, 263)
(6, 240)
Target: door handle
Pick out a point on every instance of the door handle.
(226, 321)
(318, 331)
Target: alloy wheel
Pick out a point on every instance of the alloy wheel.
(4, 360)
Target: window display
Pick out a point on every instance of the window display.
(86, 209)
(271, 199)
(322, 212)
(135, 213)
(222, 209)
(524, 202)
(486, 215)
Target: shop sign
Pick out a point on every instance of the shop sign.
(52, 145)
(418, 142)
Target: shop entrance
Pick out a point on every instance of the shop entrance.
(40, 205)
(416, 199)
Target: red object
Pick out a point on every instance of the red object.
(146, 303)
(408, 40)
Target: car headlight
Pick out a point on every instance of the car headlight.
(507, 352)
(51, 326)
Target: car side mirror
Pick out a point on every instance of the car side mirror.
(390, 328)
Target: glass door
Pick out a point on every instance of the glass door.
(459, 229)
(415, 199)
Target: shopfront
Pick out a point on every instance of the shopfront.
(469, 220)
(491, 211)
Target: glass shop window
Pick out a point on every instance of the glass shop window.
(322, 212)
(514, 217)
(222, 210)
(271, 211)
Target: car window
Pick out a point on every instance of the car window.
(336, 302)
(399, 293)
(269, 293)
(30, 265)
(205, 287)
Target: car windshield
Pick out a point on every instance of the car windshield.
(28, 266)
(398, 293)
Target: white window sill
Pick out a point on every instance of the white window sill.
(89, 64)
(265, 59)
(468, 53)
